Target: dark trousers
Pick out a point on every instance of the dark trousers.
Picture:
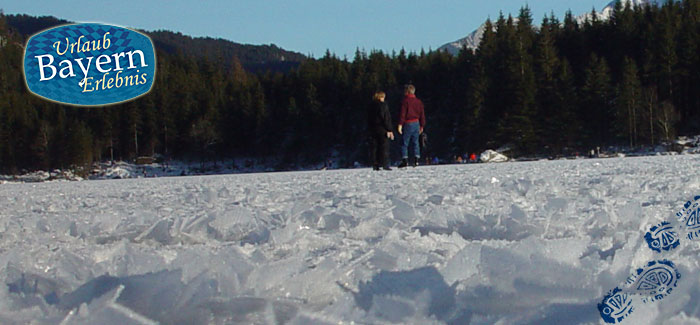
(379, 150)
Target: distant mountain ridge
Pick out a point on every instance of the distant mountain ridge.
(474, 38)
(254, 58)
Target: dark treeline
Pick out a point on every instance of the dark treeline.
(550, 89)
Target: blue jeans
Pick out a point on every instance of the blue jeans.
(410, 137)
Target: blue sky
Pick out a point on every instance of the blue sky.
(306, 26)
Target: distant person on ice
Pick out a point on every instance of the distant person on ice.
(379, 127)
(411, 124)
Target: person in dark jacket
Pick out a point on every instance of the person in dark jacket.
(379, 127)
(411, 124)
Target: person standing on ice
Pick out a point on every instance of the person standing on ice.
(411, 124)
(379, 127)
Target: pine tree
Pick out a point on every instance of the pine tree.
(629, 103)
(597, 101)
(482, 96)
(622, 29)
(689, 65)
(518, 98)
(492, 53)
(569, 128)
(665, 30)
(547, 67)
(469, 89)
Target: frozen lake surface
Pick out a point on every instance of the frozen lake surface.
(514, 243)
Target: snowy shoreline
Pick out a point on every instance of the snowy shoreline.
(123, 170)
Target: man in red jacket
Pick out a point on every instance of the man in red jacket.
(411, 124)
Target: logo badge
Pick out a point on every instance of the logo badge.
(89, 64)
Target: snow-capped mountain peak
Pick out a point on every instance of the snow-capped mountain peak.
(607, 12)
(474, 38)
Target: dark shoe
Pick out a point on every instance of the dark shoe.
(376, 167)
(414, 162)
(387, 168)
(404, 163)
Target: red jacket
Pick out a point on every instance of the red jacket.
(412, 110)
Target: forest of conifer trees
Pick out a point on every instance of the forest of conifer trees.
(544, 90)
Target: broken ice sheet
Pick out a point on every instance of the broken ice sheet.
(545, 238)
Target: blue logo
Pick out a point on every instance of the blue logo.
(655, 281)
(616, 305)
(662, 237)
(689, 219)
(89, 64)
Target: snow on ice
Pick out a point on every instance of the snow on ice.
(516, 243)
